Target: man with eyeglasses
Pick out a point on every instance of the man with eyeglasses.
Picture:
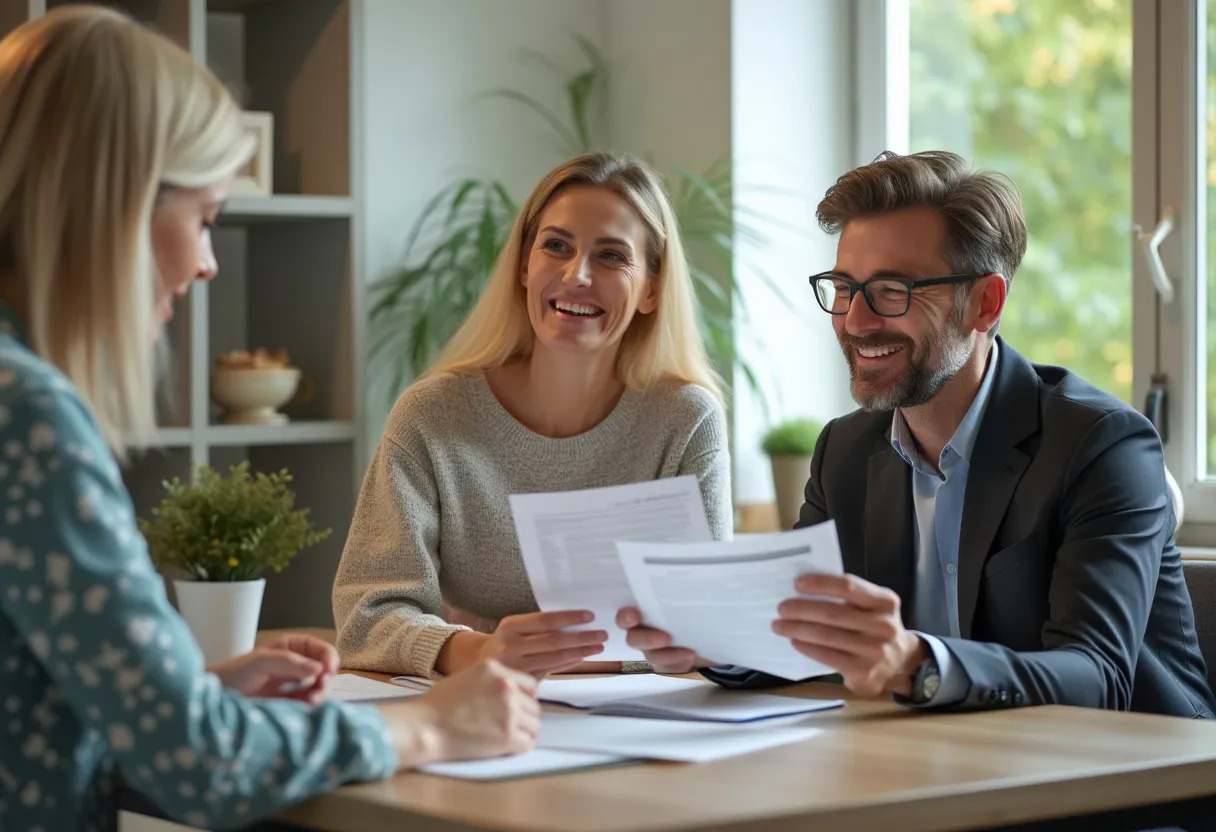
(1007, 533)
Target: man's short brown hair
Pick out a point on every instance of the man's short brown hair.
(985, 228)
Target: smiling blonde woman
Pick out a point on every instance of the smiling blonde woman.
(581, 366)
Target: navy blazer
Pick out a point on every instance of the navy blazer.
(1070, 585)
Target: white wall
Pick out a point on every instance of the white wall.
(669, 89)
(792, 113)
(425, 66)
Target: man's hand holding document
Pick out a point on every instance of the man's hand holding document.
(720, 599)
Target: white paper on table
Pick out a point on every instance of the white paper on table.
(710, 703)
(590, 691)
(567, 539)
(597, 691)
(660, 739)
(652, 696)
(529, 764)
(419, 683)
(347, 687)
(720, 598)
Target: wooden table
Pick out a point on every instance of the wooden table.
(877, 766)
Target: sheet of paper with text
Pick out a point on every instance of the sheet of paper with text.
(568, 542)
(720, 598)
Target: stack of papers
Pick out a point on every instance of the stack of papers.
(651, 696)
(690, 742)
(661, 697)
(347, 687)
(529, 764)
(575, 742)
(649, 545)
(642, 716)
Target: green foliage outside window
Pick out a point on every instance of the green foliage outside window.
(1041, 91)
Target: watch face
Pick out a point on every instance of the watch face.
(932, 682)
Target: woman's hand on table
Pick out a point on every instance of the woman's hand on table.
(289, 667)
(485, 710)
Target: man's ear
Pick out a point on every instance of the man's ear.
(993, 289)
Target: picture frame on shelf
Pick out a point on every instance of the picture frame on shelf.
(256, 178)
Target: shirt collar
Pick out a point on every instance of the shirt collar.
(963, 441)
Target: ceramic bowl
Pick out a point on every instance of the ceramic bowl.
(252, 396)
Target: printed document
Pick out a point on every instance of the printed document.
(348, 687)
(656, 739)
(568, 542)
(652, 696)
(720, 598)
(528, 764)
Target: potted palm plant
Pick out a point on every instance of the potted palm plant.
(225, 533)
(790, 446)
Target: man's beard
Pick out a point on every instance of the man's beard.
(921, 381)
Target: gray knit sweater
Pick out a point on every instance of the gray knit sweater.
(432, 541)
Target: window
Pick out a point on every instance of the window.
(1041, 90)
(1104, 114)
(1175, 92)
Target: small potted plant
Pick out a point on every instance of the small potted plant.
(790, 446)
(226, 533)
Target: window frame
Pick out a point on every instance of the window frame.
(1170, 73)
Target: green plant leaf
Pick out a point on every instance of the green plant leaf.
(567, 136)
(796, 437)
(423, 221)
(508, 204)
(542, 60)
(706, 282)
(462, 193)
(579, 91)
(592, 53)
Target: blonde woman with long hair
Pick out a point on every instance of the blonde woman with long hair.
(116, 150)
(580, 366)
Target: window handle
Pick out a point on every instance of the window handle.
(1150, 244)
(1156, 405)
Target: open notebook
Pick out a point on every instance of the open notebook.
(653, 696)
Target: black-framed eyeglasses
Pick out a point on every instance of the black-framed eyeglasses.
(889, 297)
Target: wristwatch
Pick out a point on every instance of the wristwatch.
(927, 681)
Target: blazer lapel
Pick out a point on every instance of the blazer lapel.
(890, 548)
(996, 467)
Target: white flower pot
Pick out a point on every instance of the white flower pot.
(790, 474)
(223, 615)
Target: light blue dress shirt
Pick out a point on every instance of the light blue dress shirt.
(938, 503)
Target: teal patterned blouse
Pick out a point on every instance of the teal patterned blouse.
(99, 677)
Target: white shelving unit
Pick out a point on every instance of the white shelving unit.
(285, 208)
(289, 271)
